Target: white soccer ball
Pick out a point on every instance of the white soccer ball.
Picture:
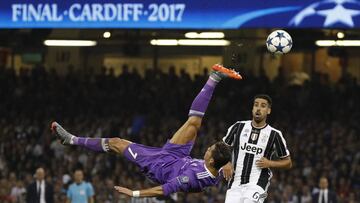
(279, 42)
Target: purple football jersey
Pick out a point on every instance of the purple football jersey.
(172, 167)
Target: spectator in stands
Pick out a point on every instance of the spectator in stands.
(80, 191)
(18, 192)
(323, 134)
(324, 194)
(40, 190)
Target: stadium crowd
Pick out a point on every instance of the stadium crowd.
(319, 120)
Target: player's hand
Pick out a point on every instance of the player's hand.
(263, 163)
(228, 171)
(124, 190)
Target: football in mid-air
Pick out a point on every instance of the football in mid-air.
(279, 42)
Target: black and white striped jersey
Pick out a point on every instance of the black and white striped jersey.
(250, 144)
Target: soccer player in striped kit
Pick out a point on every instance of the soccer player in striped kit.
(254, 142)
(170, 166)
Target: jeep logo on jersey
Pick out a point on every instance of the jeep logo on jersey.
(253, 149)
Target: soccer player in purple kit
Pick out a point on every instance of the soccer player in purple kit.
(171, 166)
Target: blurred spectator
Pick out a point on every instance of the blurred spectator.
(319, 120)
(5, 191)
(324, 194)
(80, 191)
(305, 195)
(18, 192)
(40, 191)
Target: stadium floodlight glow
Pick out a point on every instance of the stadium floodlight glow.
(340, 35)
(189, 42)
(69, 43)
(191, 35)
(164, 42)
(107, 34)
(345, 43)
(203, 42)
(325, 43)
(348, 43)
(205, 35)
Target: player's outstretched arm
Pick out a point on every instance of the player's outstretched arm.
(228, 171)
(285, 160)
(228, 139)
(151, 192)
(284, 163)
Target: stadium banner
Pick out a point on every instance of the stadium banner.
(184, 14)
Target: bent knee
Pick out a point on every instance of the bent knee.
(115, 141)
(118, 145)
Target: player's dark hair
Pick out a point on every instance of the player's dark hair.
(78, 169)
(264, 96)
(221, 154)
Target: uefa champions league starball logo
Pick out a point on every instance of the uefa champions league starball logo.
(340, 12)
(325, 13)
(279, 42)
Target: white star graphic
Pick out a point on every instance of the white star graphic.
(339, 14)
(339, 1)
(304, 13)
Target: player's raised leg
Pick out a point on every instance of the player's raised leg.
(188, 131)
(116, 145)
(185, 134)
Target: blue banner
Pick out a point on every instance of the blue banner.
(185, 14)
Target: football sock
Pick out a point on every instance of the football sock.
(94, 144)
(201, 101)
